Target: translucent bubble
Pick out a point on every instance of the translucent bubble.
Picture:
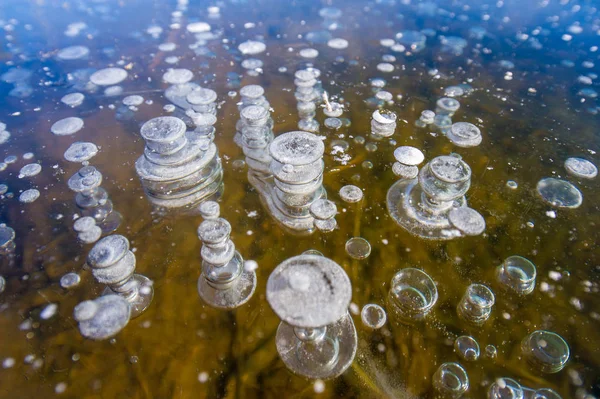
(67, 126)
(2, 284)
(28, 196)
(252, 47)
(49, 311)
(505, 388)
(405, 171)
(467, 220)
(70, 280)
(323, 209)
(178, 76)
(451, 380)
(358, 248)
(73, 99)
(413, 293)
(559, 193)
(491, 351)
(338, 44)
(333, 123)
(108, 76)
(385, 67)
(408, 155)
(134, 100)
(252, 63)
(467, 347)
(30, 170)
(464, 134)
(581, 168)
(351, 194)
(80, 152)
(512, 184)
(73, 53)
(545, 351)
(4, 136)
(308, 53)
(198, 27)
(373, 316)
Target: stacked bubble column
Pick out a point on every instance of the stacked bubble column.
(224, 283)
(113, 264)
(307, 95)
(93, 200)
(297, 170)
(251, 95)
(433, 205)
(256, 138)
(176, 172)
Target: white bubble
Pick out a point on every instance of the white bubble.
(28, 196)
(67, 126)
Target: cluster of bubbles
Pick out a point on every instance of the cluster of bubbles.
(311, 294)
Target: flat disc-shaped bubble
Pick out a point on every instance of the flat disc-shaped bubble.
(214, 231)
(358, 248)
(385, 67)
(559, 193)
(464, 134)
(385, 117)
(30, 170)
(28, 196)
(84, 223)
(178, 76)
(454, 91)
(408, 155)
(351, 194)
(81, 151)
(4, 136)
(373, 316)
(467, 220)
(405, 171)
(309, 53)
(297, 148)
(309, 291)
(201, 96)
(73, 99)
(338, 43)
(447, 104)
(209, 209)
(252, 91)
(163, 129)
(7, 235)
(198, 27)
(73, 53)
(108, 251)
(70, 280)
(581, 168)
(252, 63)
(254, 113)
(67, 126)
(252, 47)
(450, 169)
(330, 13)
(323, 209)
(467, 347)
(546, 351)
(108, 76)
(107, 316)
(134, 100)
(86, 178)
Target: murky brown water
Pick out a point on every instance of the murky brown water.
(162, 353)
